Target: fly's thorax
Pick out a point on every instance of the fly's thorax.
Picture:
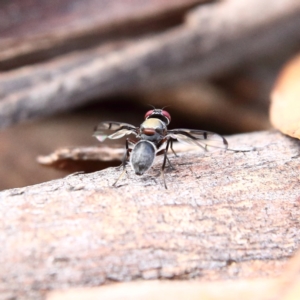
(142, 156)
(153, 130)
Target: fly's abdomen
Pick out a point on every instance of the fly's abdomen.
(142, 156)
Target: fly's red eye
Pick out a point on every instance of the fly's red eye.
(166, 114)
(148, 113)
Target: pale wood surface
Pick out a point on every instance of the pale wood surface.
(285, 287)
(225, 215)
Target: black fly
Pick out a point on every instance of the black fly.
(154, 138)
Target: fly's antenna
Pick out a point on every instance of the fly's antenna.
(151, 106)
(160, 108)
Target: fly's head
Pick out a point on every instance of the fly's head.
(160, 114)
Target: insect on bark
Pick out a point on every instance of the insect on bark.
(153, 137)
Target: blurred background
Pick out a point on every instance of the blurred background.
(67, 65)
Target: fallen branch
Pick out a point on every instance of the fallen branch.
(225, 215)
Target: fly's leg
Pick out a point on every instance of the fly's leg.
(171, 165)
(168, 140)
(164, 163)
(171, 141)
(124, 161)
(171, 146)
(123, 172)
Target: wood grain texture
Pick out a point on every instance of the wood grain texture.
(284, 287)
(225, 215)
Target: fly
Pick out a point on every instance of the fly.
(153, 137)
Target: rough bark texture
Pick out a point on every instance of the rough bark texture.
(224, 215)
(213, 38)
(286, 287)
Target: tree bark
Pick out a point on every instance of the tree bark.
(286, 287)
(224, 215)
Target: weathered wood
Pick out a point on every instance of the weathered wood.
(286, 287)
(213, 39)
(225, 215)
(82, 158)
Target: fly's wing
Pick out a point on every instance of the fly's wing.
(113, 130)
(204, 139)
